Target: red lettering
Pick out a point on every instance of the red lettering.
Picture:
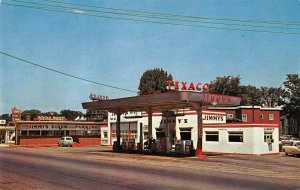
(206, 87)
(218, 99)
(198, 86)
(169, 82)
(176, 85)
(191, 87)
(223, 99)
(212, 98)
(229, 100)
(183, 85)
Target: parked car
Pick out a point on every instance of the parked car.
(293, 149)
(65, 141)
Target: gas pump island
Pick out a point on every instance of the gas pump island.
(164, 103)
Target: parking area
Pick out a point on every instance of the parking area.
(98, 166)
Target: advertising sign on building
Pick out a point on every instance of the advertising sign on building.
(50, 127)
(2, 122)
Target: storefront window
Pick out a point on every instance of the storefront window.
(114, 134)
(59, 133)
(145, 135)
(34, 133)
(23, 133)
(46, 133)
(235, 136)
(212, 136)
(185, 133)
(124, 134)
(133, 134)
(159, 133)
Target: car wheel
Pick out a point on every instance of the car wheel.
(286, 154)
(297, 155)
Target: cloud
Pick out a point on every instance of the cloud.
(75, 11)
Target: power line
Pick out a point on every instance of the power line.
(156, 22)
(159, 17)
(66, 74)
(177, 15)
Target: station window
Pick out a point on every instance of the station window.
(244, 117)
(185, 133)
(261, 116)
(212, 136)
(133, 134)
(114, 134)
(124, 134)
(229, 116)
(235, 136)
(271, 117)
(160, 133)
(145, 135)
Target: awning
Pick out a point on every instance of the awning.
(163, 101)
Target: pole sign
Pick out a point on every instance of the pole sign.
(98, 97)
(185, 86)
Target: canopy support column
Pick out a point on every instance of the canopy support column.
(198, 108)
(118, 130)
(150, 123)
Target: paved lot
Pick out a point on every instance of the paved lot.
(99, 168)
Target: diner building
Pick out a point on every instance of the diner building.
(41, 133)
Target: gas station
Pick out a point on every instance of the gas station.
(166, 103)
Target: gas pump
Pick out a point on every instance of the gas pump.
(188, 147)
(131, 144)
(179, 148)
(124, 144)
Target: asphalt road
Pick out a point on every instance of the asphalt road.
(96, 168)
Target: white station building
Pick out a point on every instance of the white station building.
(218, 136)
(190, 118)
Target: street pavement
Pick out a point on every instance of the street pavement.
(100, 168)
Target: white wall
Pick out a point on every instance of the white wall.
(253, 137)
(253, 141)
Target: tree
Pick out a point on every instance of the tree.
(272, 97)
(154, 81)
(6, 117)
(250, 95)
(227, 85)
(33, 114)
(292, 105)
(70, 114)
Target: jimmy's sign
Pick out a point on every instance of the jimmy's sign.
(191, 86)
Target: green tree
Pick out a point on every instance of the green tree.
(70, 114)
(154, 81)
(292, 105)
(227, 85)
(272, 97)
(6, 117)
(33, 114)
(250, 95)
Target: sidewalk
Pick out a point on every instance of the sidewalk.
(4, 145)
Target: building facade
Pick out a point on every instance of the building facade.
(242, 130)
(49, 132)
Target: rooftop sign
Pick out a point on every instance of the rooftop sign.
(191, 86)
